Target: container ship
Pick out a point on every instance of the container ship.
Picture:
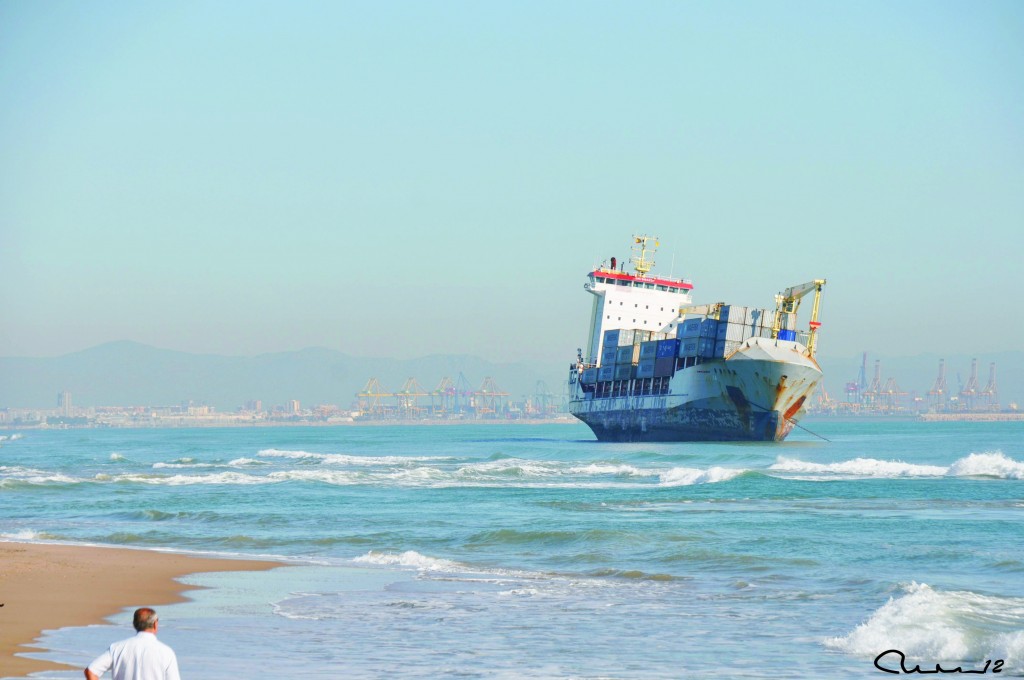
(658, 368)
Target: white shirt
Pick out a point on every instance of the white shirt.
(142, 657)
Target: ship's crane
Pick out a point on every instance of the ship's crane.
(710, 311)
(788, 302)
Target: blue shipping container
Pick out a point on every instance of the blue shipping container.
(667, 348)
(664, 367)
(787, 335)
(649, 350)
(645, 369)
(611, 338)
(688, 328)
(708, 328)
(606, 373)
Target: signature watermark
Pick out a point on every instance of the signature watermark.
(887, 663)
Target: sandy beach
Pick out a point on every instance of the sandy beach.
(44, 587)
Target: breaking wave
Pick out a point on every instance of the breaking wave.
(993, 464)
(930, 626)
(345, 459)
(409, 558)
(25, 535)
(691, 476)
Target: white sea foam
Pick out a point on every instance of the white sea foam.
(858, 467)
(345, 459)
(691, 476)
(185, 480)
(610, 469)
(23, 535)
(510, 467)
(930, 626)
(277, 453)
(409, 558)
(181, 466)
(336, 477)
(993, 464)
(241, 462)
(117, 457)
(13, 475)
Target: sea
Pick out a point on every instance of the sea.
(507, 550)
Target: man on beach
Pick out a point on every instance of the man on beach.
(142, 657)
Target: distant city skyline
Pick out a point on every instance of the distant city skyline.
(410, 179)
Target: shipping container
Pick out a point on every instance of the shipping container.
(589, 376)
(787, 335)
(664, 367)
(760, 317)
(627, 355)
(708, 328)
(608, 355)
(611, 338)
(626, 336)
(732, 331)
(645, 369)
(706, 347)
(723, 348)
(625, 372)
(606, 373)
(733, 314)
(649, 350)
(640, 336)
(668, 348)
(688, 328)
(688, 348)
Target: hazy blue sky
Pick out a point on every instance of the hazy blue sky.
(401, 179)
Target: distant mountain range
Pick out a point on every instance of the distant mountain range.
(129, 373)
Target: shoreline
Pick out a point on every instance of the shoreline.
(185, 423)
(46, 586)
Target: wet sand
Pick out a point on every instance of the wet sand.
(45, 587)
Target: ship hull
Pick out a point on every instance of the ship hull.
(758, 394)
(695, 421)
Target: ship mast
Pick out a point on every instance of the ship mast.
(641, 264)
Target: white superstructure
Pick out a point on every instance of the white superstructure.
(638, 301)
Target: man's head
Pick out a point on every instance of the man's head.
(145, 620)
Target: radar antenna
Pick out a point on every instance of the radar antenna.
(641, 264)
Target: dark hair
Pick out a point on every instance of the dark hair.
(144, 619)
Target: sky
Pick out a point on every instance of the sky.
(400, 179)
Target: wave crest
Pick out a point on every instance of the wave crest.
(409, 558)
(992, 464)
(691, 476)
(932, 626)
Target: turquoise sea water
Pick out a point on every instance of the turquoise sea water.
(532, 551)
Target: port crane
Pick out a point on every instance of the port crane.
(788, 302)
